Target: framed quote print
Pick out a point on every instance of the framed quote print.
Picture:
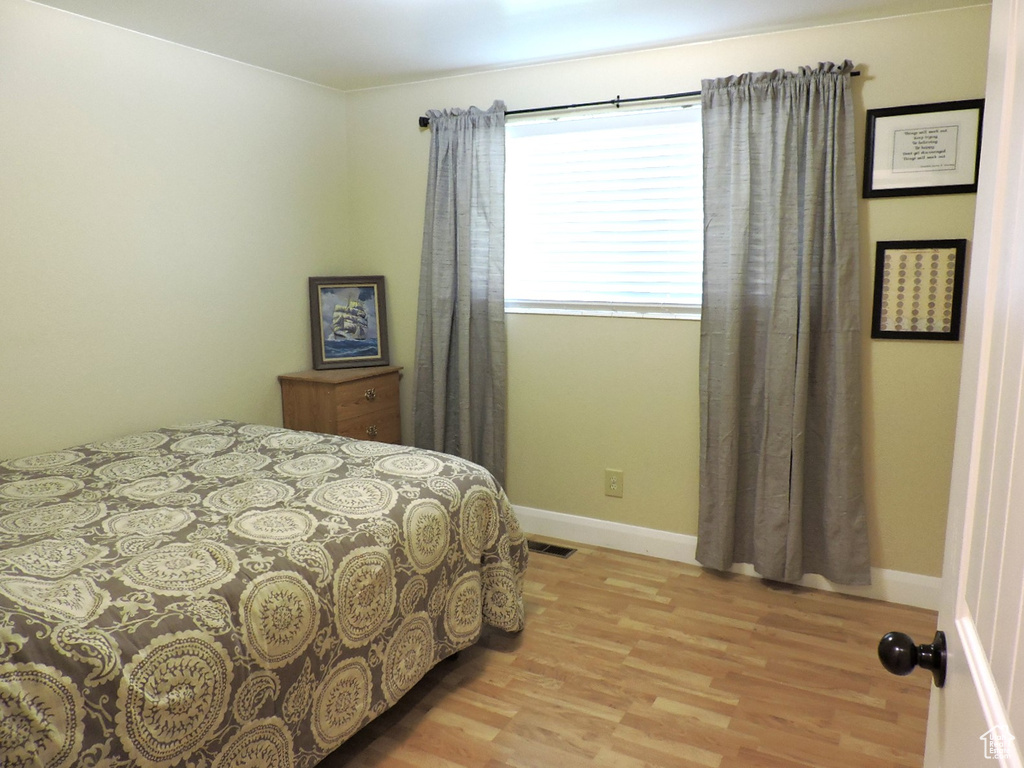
(926, 149)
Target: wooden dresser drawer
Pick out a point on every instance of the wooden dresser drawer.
(353, 402)
(382, 426)
(355, 399)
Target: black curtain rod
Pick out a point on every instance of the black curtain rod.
(616, 102)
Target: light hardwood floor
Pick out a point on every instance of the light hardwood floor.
(629, 661)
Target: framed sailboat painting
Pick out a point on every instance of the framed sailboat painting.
(348, 318)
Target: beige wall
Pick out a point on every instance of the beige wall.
(591, 393)
(161, 211)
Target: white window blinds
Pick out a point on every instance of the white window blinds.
(604, 213)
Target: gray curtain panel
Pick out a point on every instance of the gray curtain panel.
(461, 362)
(781, 475)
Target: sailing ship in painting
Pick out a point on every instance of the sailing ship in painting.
(349, 321)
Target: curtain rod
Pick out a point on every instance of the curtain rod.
(425, 121)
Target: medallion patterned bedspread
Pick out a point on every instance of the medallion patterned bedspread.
(224, 595)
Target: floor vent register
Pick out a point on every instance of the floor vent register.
(549, 549)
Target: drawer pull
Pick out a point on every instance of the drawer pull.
(370, 394)
(371, 431)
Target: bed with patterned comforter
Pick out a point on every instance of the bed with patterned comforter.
(225, 594)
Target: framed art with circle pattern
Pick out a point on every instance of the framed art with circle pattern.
(919, 287)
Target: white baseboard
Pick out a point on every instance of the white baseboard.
(891, 586)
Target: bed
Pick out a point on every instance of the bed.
(225, 595)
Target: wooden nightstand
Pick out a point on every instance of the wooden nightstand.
(352, 402)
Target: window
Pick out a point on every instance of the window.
(604, 213)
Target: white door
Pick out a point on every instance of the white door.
(972, 719)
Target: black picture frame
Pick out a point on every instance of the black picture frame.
(923, 149)
(348, 322)
(919, 286)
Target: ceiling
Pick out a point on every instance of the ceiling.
(353, 44)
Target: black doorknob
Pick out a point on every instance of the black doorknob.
(899, 655)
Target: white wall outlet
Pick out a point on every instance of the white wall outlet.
(613, 483)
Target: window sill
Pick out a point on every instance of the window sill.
(654, 312)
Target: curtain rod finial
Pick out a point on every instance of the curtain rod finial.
(424, 121)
